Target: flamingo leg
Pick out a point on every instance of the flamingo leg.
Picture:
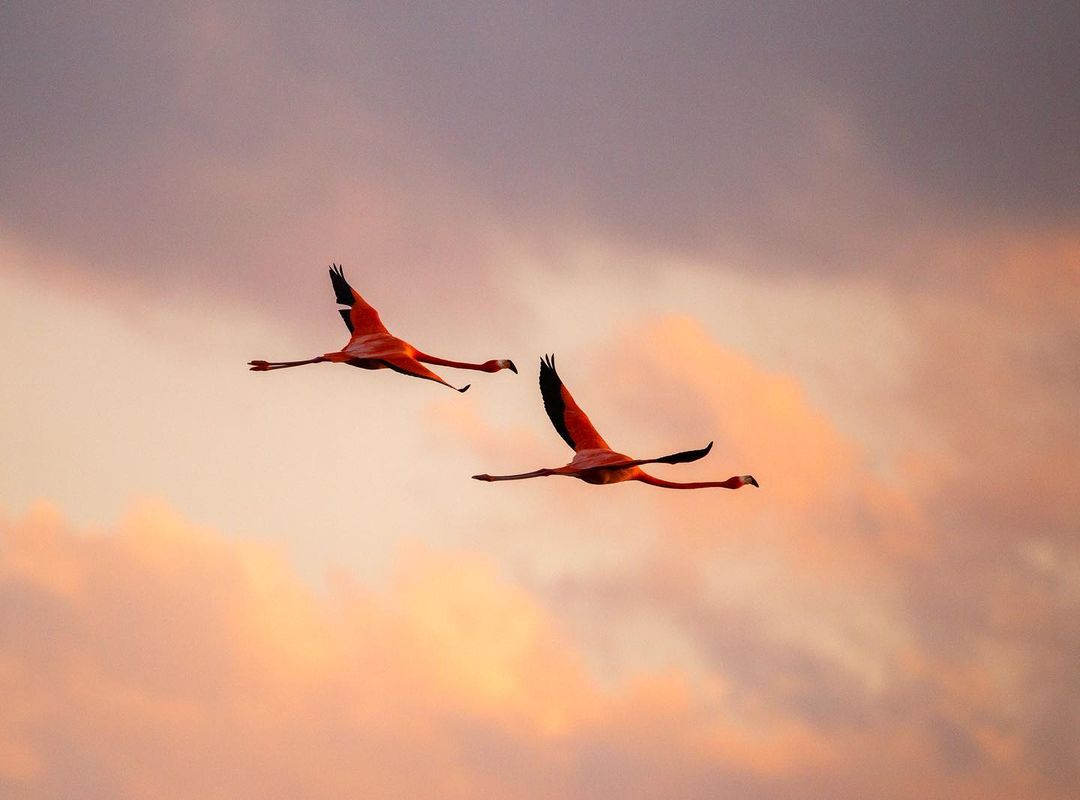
(540, 473)
(266, 366)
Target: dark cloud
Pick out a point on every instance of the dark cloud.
(701, 124)
(192, 139)
(210, 147)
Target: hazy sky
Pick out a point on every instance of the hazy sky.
(841, 241)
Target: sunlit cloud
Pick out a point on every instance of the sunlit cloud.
(842, 243)
(154, 651)
(163, 659)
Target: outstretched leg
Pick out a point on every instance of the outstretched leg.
(540, 473)
(266, 366)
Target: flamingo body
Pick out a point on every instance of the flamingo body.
(372, 346)
(598, 466)
(594, 461)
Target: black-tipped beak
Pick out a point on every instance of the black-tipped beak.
(512, 367)
(752, 481)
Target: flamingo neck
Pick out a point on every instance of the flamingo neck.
(730, 483)
(488, 366)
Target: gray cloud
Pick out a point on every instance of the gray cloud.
(261, 137)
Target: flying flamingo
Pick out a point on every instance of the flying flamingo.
(594, 461)
(372, 347)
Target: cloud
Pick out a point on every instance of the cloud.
(673, 385)
(161, 659)
(860, 592)
(994, 381)
(842, 242)
(184, 148)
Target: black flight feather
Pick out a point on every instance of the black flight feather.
(341, 286)
(551, 391)
(685, 456)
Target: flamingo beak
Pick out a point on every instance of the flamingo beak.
(510, 366)
(752, 481)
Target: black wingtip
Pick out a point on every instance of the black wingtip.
(547, 362)
(342, 291)
(551, 390)
(686, 456)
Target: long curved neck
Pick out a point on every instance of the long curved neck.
(487, 366)
(730, 483)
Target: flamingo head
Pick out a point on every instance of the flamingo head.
(497, 364)
(747, 480)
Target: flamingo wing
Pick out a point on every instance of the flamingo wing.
(360, 318)
(407, 365)
(566, 415)
(684, 457)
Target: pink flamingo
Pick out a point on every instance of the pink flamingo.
(595, 462)
(371, 346)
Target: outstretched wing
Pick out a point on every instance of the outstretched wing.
(567, 417)
(407, 365)
(360, 318)
(684, 457)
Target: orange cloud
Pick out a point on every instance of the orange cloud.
(165, 661)
(762, 421)
(850, 587)
(819, 498)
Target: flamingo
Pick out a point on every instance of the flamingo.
(594, 461)
(371, 346)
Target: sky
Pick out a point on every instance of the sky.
(840, 240)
